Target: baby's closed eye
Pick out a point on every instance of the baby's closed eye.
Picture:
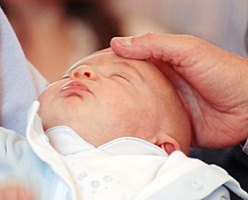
(122, 76)
(118, 75)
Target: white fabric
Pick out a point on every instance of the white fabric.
(66, 142)
(20, 83)
(96, 173)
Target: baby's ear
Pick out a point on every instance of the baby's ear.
(169, 144)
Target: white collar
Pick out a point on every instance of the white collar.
(66, 141)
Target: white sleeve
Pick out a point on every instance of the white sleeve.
(20, 82)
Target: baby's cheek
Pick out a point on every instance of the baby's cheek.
(45, 115)
(43, 97)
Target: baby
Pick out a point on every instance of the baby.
(104, 97)
(112, 128)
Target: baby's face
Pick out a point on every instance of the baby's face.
(104, 97)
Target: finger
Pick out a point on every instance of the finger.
(199, 62)
(185, 53)
(166, 47)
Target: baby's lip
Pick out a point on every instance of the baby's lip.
(75, 85)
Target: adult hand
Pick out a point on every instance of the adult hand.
(14, 192)
(212, 83)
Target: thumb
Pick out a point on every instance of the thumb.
(204, 66)
(166, 47)
(179, 51)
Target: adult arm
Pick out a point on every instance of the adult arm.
(211, 82)
(20, 82)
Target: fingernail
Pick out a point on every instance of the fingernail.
(124, 41)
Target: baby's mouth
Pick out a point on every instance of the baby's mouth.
(75, 85)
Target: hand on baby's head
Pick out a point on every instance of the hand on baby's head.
(104, 97)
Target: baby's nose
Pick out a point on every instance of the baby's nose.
(84, 72)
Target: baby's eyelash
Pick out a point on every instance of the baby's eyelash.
(123, 76)
(120, 76)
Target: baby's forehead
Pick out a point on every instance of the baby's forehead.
(107, 58)
(109, 61)
(97, 58)
(100, 57)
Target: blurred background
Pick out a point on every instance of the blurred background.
(55, 34)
